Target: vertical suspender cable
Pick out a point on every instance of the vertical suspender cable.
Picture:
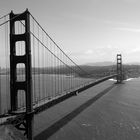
(38, 67)
(6, 56)
(0, 92)
(34, 64)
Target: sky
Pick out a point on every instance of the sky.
(87, 30)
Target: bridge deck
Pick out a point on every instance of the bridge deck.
(114, 116)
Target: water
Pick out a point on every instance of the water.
(44, 86)
(114, 116)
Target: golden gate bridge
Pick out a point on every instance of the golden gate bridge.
(35, 73)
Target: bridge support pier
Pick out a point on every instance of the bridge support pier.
(119, 69)
(25, 59)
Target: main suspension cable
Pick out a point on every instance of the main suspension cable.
(58, 46)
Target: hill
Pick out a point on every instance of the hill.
(130, 71)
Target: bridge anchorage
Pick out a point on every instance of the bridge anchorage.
(59, 64)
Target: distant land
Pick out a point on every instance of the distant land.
(90, 70)
(129, 70)
(109, 63)
(133, 63)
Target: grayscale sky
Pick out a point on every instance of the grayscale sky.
(87, 30)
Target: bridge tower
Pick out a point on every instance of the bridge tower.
(25, 59)
(119, 69)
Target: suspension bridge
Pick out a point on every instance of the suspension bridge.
(36, 74)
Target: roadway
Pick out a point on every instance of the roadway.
(104, 112)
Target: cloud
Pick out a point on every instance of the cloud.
(134, 51)
(136, 30)
(89, 52)
(131, 1)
